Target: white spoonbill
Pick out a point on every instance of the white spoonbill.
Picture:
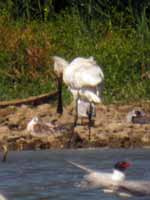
(84, 79)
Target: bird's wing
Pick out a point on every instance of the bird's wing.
(138, 188)
(98, 179)
(81, 166)
(99, 89)
(87, 77)
(83, 72)
(95, 179)
(41, 128)
(89, 94)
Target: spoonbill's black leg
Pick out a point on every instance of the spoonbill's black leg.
(76, 111)
(90, 113)
(60, 103)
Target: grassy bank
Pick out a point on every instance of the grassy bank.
(26, 48)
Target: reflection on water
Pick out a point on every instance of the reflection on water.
(45, 175)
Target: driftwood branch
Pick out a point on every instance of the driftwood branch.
(35, 100)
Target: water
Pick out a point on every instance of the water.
(45, 175)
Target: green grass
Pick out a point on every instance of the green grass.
(26, 68)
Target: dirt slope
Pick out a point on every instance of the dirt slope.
(110, 130)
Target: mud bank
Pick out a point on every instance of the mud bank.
(110, 129)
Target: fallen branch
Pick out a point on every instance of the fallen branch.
(35, 100)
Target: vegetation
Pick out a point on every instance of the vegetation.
(116, 33)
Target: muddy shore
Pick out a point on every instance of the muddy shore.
(110, 129)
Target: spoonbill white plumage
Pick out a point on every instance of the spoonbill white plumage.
(84, 79)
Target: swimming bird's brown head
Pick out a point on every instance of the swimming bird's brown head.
(122, 165)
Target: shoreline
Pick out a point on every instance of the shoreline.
(110, 130)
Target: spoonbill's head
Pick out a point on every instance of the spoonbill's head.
(59, 65)
(122, 165)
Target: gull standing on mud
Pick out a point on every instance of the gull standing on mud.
(39, 128)
(84, 79)
(138, 116)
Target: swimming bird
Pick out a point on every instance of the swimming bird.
(115, 182)
(102, 179)
(138, 116)
(37, 128)
(84, 79)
